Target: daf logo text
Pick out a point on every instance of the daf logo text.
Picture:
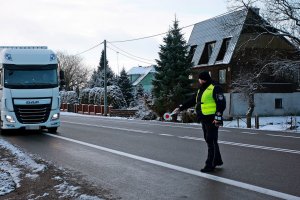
(32, 102)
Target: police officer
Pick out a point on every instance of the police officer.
(209, 102)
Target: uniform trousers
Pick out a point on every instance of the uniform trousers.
(211, 138)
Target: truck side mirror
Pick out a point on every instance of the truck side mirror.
(62, 78)
(62, 83)
(61, 75)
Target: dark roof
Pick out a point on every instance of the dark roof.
(217, 29)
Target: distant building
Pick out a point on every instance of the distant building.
(142, 75)
(215, 46)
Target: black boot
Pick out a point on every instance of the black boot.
(207, 169)
(218, 163)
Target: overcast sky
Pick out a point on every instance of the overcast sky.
(74, 26)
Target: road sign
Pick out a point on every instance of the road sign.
(167, 117)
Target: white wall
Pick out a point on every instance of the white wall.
(264, 104)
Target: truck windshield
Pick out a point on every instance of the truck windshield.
(30, 76)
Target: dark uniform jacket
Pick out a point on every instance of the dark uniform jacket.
(217, 95)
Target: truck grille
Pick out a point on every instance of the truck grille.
(32, 114)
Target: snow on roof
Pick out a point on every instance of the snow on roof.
(147, 70)
(140, 70)
(216, 30)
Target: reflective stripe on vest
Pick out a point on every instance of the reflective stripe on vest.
(208, 104)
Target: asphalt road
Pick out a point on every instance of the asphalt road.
(154, 160)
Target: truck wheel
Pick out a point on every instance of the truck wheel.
(52, 130)
(3, 131)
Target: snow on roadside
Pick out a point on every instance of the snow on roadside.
(10, 174)
(67, 190)
(276, 123)
(7, 182)
(22, 158)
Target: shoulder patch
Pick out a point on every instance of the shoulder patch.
(220, 97)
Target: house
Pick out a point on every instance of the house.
(142, 75)
(227, 45)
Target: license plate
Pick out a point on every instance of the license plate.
(32, 128)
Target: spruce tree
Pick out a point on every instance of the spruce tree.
(97, 79)
(171, 84)
(139, 91)
(125, 86)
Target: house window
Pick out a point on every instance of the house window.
(207, 52)
(278, 103)
(223, 49)
(192, 52)
(222, 76)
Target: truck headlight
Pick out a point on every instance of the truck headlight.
(10, 119)
(55, 116)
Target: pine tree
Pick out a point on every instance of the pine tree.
(97, 78)
(125, 86)
(139, 91)
(172, 84)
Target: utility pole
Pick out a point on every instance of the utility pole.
(118, 63)
(105, 81)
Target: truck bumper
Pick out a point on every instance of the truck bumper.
(15, 124)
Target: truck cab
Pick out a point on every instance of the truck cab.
(29, 89)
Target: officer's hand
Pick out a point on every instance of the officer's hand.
(218, 123)
(218, 120)
(176, 111)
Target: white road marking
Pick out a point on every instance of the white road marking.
(109, 127)
(163, 124)
(284, 136)
(245, 145)
(222, 130)
(260, 147)
(191, 138)
(186, 170)
(251, 133)
(195, 138)
(168, 135)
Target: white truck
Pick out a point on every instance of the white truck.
(29, 88)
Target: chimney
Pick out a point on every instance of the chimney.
(255, 10)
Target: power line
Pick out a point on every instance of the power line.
(130, 53)
(141, 38)
(89, 49)
(130, 57)
(146, 37)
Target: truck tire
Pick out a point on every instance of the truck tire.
(4, 131)
(52, 130)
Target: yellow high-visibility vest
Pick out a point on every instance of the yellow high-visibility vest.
(208, 104)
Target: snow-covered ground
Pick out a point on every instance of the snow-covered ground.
(10, 173)
(279, 123)
(15, 165)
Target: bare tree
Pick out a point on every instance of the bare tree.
(279, 18)
(282, 17)
(76, 74)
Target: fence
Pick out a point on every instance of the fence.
(284, 122)
(90, 109)
(244, 120)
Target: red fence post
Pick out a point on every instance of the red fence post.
(109, 109)
(102, 109)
